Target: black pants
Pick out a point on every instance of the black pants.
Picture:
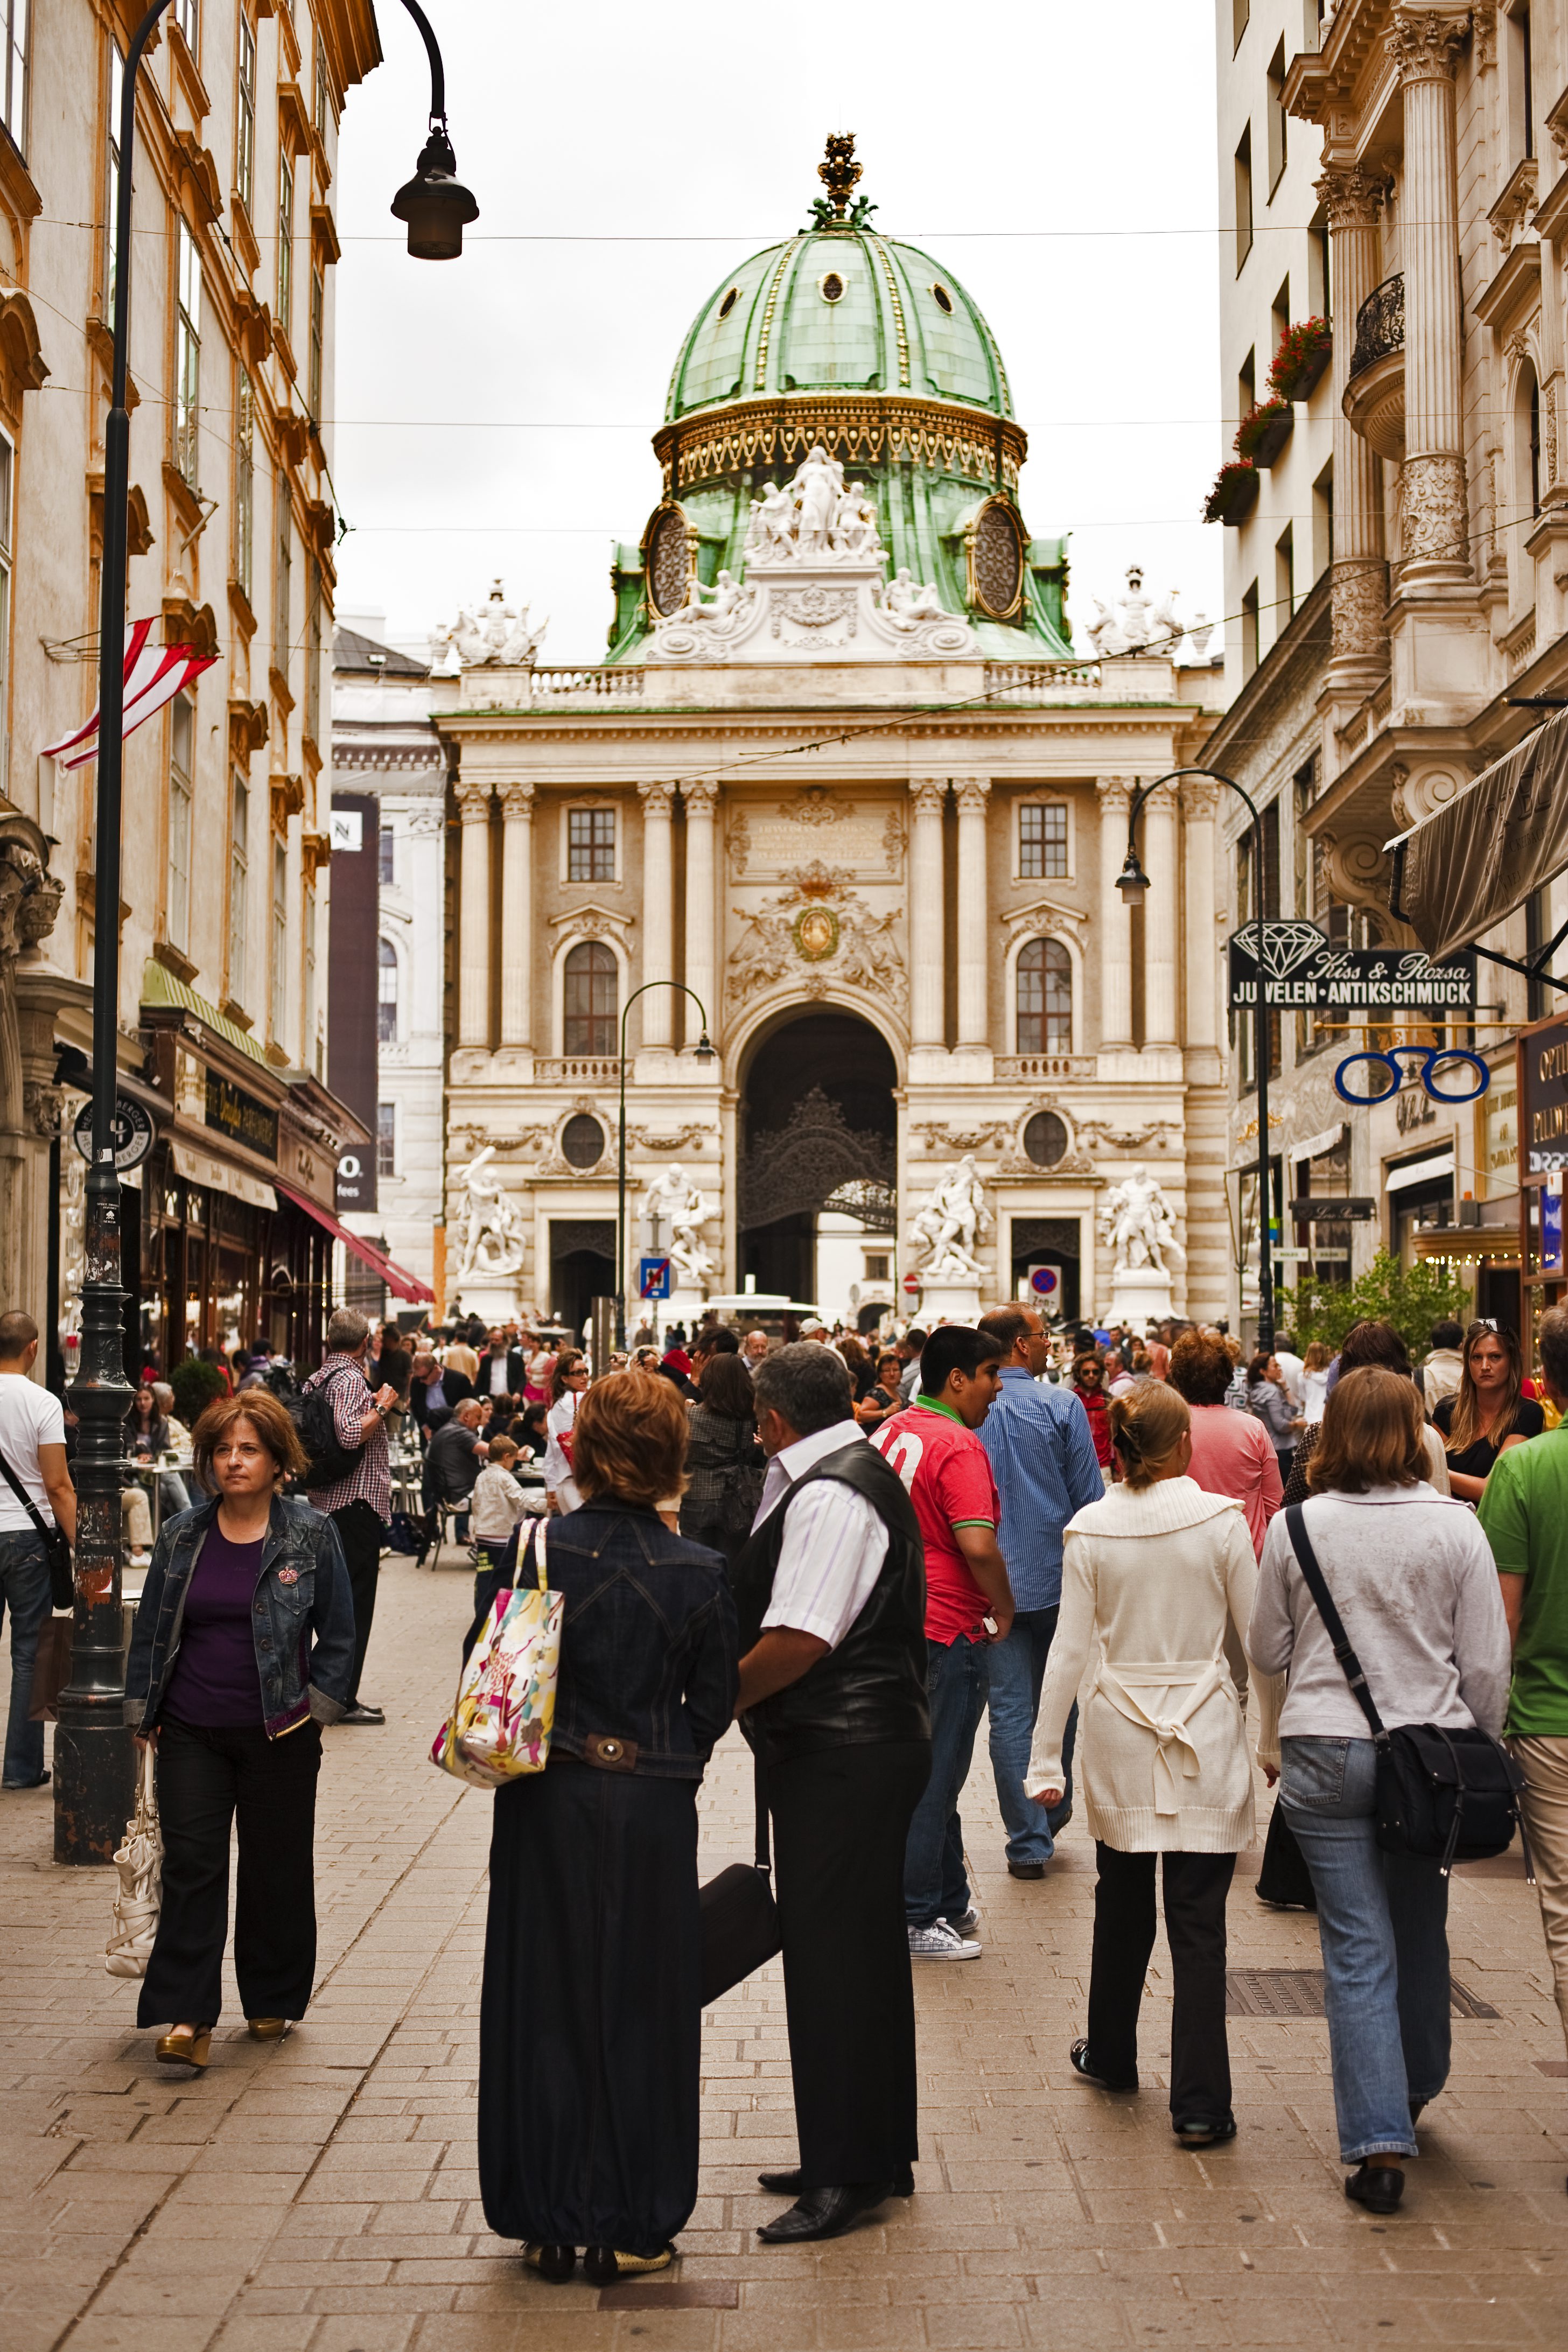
(1195, 1888)
(841, 1820)
(361, 1534)
(209, 1780)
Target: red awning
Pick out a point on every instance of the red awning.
(405, 1285)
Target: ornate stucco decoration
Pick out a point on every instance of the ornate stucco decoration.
(492, 632)
(1043, 917)
(592, 921)
(821, 922)
(690, 1137)
(937, 1135)
(1159, 1133)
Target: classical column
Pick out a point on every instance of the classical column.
(974, 942)
(659, 929)
(1357, 586)
(474, 916)
(927, 947)
(700, 800)
(1424, 46)
(1160, 856)
(1114, 951)
(1198, 803)
(517, 915)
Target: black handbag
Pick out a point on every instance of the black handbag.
(1444, 1793)
(56, 1543)
(1284, 1880)
(739, 1928)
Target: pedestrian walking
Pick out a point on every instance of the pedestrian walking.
(31, 1458)
(1524, 1515)
(1443, 1366)
(1291, 1367)
(1412, 1578)
(1488, 1412)
(359, 1501)
(909, 1348)
(1268, 1402)
(1088, 1384)
(724, 1463)
(590, 2018)
(568, 1387)
(1042, 1458)
(498, 1503)
(1315, 1379)
(1232, 1452)
(1158, 1583)
(883, 1397)
(1370, 1345)
(831, 1591)
(934, 1447)
(243, 1647)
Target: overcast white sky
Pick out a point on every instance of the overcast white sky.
(494, 414)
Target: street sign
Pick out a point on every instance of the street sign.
(1304, 971)
(652, 1277)
(910, 1286)
(1289, 1256)
(1358, 1210)
(131, 1133)
(1044, 1281)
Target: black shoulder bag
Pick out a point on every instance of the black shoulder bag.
(1449, 1793)
(740, 1920)
(56, 1543)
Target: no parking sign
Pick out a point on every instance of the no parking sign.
(1045, 1284)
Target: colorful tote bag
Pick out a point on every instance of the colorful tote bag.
(499, 1727)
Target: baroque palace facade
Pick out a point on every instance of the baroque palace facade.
(843, 779)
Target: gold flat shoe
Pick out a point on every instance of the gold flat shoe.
(602, 2265)
(267, 2029)
(187, 2049)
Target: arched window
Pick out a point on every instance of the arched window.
(386, 992)
(589, 1005)
(1045, 998)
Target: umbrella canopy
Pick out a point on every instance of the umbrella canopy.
(1484, 853)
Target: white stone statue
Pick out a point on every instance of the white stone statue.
(1139, 621)
(1140, 1223)
(949, 1221)
(817, 489)
(678, 1203)
(816, 517)
(906, 601)
(497, 633)
(772, 531)
(855, 523)
(727, 597)
(492, 1238)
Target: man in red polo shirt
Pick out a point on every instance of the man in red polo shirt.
(933, 1447)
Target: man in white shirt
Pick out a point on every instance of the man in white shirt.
(33, 1441)
(1291, 1366)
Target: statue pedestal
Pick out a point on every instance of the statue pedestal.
(948, 1298)
(684, 1307)
(1139, 1295)
(493, 1297)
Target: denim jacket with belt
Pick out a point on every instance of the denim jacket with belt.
(301, 1591)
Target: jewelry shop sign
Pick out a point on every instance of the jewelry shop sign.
(1542, 1100)
(1302, 971)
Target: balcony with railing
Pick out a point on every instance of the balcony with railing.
(1374, 394)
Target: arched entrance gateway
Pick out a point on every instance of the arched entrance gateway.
(816, 1184)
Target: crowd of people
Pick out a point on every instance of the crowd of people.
(1109, 1544)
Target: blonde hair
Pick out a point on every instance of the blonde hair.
(502, 1449)
(1147, 1424)
(1317, 1356)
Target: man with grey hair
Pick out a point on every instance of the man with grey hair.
(357, 1501)
(754, 1349)
(830, 1589)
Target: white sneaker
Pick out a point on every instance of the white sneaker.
(140, 1560)
(941, 1943)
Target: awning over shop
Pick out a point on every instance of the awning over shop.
(1483, 854)
(1314, 1145)
(404, 1284)
(218, 1176)
(1419, 1172)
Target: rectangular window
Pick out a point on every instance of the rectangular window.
(187, 353)
(318, 338)
(1240, 10)
(282, 598)
(1042, 841)
(313, 657)
(1284, 578)
(876, 1268)
(181, 735)
(280, 940)
(313, 1053)
(285, 243)
(187, 16)
(244, 480)
(386, 992)
(386, 1138)
(111, 188)
(1249, 631)
(1277, 117)
(238, 881)
(386, 845)
(591, 846)
(1323, 521)
(323, 96)
(1244, 199)
(244, 116)
(17, 16)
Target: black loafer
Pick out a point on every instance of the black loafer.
(1378, 2187)
(361, 1713)
(787, 2184)
(1084, 2071)
(1025, 1870)
(825, 2212)
(555, 2264)
(1205, 2131)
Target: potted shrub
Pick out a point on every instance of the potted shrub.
(1235, 493)
(1264, 430)
(1306, 347)
(195, 1383)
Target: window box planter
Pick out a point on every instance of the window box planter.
(1233, 495)
(1305, 350)
(1264, 430)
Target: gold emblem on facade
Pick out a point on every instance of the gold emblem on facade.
(816, 932)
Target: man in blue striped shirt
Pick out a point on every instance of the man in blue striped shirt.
(1043, 1460)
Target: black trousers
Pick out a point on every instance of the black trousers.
(841, 1818)
(1196, 1885)
(361, 1534)
(208, 1781)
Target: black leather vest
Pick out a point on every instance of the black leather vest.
(873, 1686)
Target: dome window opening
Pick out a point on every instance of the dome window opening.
(831, 287)
(943, 299)
(583, 1141)
(1046, 1139)
(728, 304)
(668, 563)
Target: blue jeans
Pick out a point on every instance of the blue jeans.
(935, 1884)
(25, 1590)
(1016, 1669)
(1382, 1922)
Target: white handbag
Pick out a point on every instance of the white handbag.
(500, 1724)
(139, 1862)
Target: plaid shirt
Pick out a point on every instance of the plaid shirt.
(370, 1480)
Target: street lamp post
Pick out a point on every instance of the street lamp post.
(1133, 883)
(92, 1761)
(705, 1052)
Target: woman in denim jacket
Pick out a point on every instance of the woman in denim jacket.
(242, 1649)
(590, 2021)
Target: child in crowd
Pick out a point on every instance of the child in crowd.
(498, 1503)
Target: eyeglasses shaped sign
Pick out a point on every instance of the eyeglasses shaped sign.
(1432, 1058)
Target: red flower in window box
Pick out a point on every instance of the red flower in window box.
(1233, 495)
(1264, 430)
(1306, 347)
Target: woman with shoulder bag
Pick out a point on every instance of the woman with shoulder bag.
(1414, 1582)
(242, 1649)
(724, 1461)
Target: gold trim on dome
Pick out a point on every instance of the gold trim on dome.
(899, 328)
(760, 375)
(859, 428)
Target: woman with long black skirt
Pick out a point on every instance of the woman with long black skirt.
(589, 2025)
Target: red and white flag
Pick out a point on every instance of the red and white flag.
(154, 676)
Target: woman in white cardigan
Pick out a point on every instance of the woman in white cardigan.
(1158, 1583)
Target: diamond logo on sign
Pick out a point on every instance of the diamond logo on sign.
(1284, 945)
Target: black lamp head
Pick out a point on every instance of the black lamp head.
(705, 1050)
(435, 202)
(1132, 882)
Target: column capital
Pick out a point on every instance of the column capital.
(1424, 44)
(699, 798)
(656, 799)
(927, 793)
(473, 802)
(1200, 801)
(1353, 197)
(1115, 794)
(516, 801)
(972, 792)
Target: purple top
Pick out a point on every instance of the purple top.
(214, 1680)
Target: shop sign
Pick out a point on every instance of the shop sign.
(241, 1116)
(1552, 1225)
(1303, 972)
(131, 1133)
(1445, 1074)
(1542, 1100)
(1358, 1208)
(1501, 1135)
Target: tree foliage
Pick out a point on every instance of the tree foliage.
(194, 1383)
(1411, 1298)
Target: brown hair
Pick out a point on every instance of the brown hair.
(726, 1387)
(1147, 1424)
(1373, 1434)
(570, 1360)
(502, 1449)
(1006, 1326)
(1373, 1342)
(272, 1424)
(1465, 1426)
(17, 1333)
(1200, 1368)
(631, 1439)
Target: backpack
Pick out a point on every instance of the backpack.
(327, 1459)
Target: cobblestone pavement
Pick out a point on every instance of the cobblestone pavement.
(320, 2195)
